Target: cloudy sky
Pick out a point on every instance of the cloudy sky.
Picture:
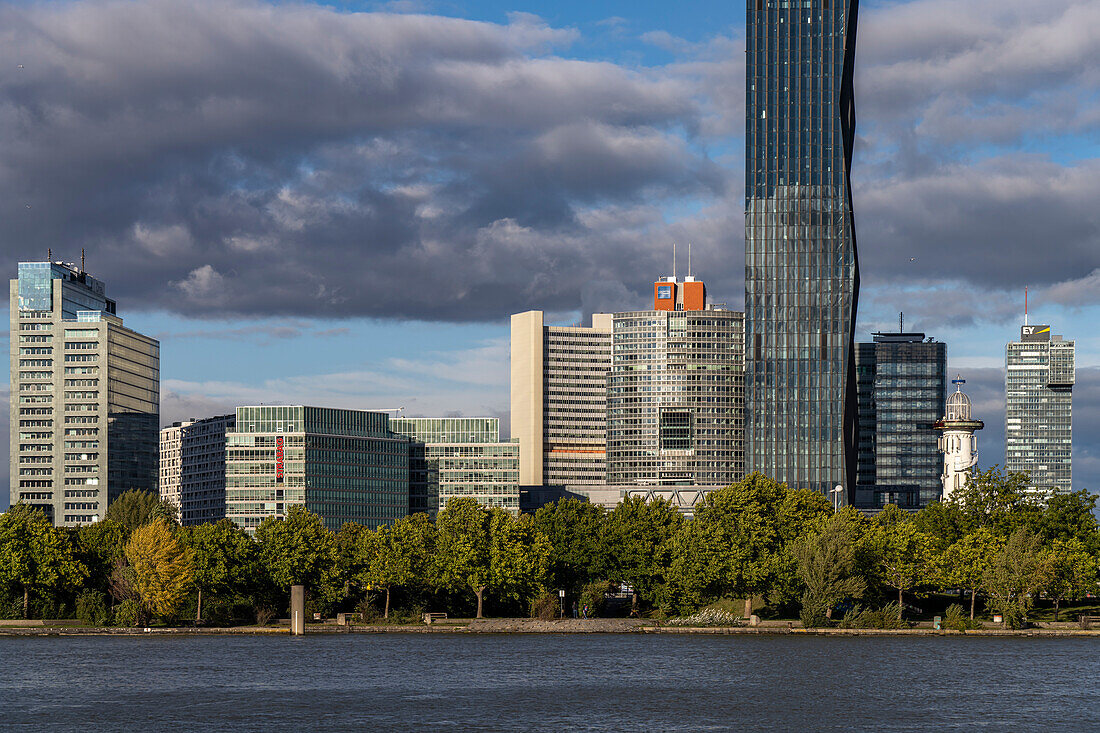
(341, 203)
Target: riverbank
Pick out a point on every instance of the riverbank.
(536, 626)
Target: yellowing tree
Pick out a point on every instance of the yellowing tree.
(164, 570)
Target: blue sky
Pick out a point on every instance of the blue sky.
(342, 203)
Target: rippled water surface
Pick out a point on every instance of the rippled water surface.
(547, 682)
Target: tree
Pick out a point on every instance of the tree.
(135, 508)
(944, 523)
(1069, 516)
(299, 550)
(906, 553)
(519, 555)
(225, 559)
(1015, 573)
(463, 560)
(573, 528)
(163, 569)
(827, 564)
(965, 563)
(98, 546)
(397, 555)
(993, 498)
(1069, 571)
(34, 556)
(636, 544)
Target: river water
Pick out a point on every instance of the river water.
(420, 682)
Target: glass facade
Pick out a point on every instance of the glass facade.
(801, 270)
(1039, 380)
(192, 468)
(85, 392)
(675, 401)
(462, 457)
(901, 383)
(343, 465)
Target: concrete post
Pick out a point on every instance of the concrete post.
(297, 610)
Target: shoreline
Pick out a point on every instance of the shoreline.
(534, 626)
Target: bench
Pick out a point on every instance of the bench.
(1087, 621)
(430, 618)
(347, 619)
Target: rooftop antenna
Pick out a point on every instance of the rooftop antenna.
(674, 262)
(82, 260)
(689, 259)
(49, 254)
(1025, 305)
(901, 322)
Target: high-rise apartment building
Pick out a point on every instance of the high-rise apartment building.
(801, 270)
(675, 400)
(1039, 379)
(559, 399)
(192, 468)
(343, 465)
(85, 396)
(900, 379)
(463, 457)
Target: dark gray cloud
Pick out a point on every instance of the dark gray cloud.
(239, 158)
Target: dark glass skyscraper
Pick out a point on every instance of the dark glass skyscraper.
(801, 273)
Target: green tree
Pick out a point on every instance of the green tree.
(1016, 572)
(944, 523)
(827, 565)
(135, 508)
(993, 498)
(463, 560)
(99, 546)
(299, 550)
(519, 555)
(965, 563)
(636, 544)
(1070, 571)
(573, 528)
(906, 555)
(398, 555)
(1069, 516)
(34, 556)
(163, 568)
(225, 560)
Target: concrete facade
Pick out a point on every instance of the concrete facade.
(559, 399)
(85, 396)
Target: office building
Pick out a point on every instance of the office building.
(462, 457)
(343, 465)
(675, 399)
(957, 441)
(900, 383)
(1039, 379)
(192, 468)
(801, 270)
(85, 396)
(559, 399)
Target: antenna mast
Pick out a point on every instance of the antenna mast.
(674, 262)
(901, 322)
(689, 259)
(82, 260)
(1025, 305)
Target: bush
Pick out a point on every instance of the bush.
(91, 608)
(594, 595)
(128, 613)
(708, 617)
(368, 612)
(546, 607)
(955, 617)
(870, 618)
(813, 612)
(264, 614)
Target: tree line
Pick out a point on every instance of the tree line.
(991, 544)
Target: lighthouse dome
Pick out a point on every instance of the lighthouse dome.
(958, 406)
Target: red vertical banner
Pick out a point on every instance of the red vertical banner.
(279, 459)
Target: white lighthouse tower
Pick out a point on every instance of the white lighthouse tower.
(957, 440)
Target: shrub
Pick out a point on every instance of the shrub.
(955, 617)
(128, 613)
(368, 612)
(91, 608)
(813, 612)
(708, 617)
(264, 614)
(546, 607)
(594, 595)
(870, 618)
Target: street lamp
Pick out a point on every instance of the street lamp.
(836, 496)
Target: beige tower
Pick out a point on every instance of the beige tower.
(957, 441)
(559, 399)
